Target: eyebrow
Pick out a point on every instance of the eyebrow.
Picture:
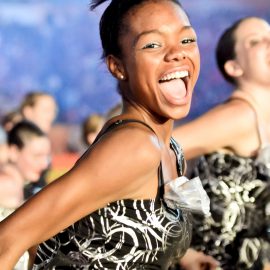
(256, 33)
(184, 28)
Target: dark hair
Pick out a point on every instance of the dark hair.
(22, 132)
(10, 119)
(111, 25)
(225, 49)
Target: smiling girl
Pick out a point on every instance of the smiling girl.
(110, 208)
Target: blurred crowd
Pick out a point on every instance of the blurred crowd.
(34, 150)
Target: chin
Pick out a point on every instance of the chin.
(33, 179)
(180, 113)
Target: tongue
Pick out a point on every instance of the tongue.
(173, 90)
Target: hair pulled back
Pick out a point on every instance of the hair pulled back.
(111, 24)
(23, 132)
(225, 49)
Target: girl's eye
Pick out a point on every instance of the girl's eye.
(253, 42)
(151, 46)
(188, 40)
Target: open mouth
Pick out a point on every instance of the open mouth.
(174, 86)
(183, 75)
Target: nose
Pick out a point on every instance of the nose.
(175, 53)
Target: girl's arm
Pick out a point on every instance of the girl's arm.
(229, 125)
(115, 168)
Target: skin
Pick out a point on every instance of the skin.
(223, 128)
(32, 159)
(26, 165)
(235, 135)
(3, 153)
(11, 187)
(42, 113)
(139, 72)
(196, 260)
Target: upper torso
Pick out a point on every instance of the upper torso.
(231, 126)
(254, 133)
(237, 183)
(125, 234)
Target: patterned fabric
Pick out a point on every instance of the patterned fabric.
(126, 234)
(237, 234)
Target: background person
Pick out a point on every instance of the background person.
(232, 141)
(28, 155)
(11, 182)
(91, 126)
(9, 119)
(40, 108)
(29, 150)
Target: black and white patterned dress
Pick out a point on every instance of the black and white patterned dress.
(125, 234)
(238, 232)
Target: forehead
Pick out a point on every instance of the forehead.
(45, 100)
(37, 144)
(252, 26)
(153, 14)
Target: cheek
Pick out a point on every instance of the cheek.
(197, 65)
(263, 56)
(144, 64)
(26, 164)
(24, 168)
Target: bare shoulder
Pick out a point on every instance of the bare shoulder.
(220, 127)
(122, 164)
(229, 114)
(129, 141)
(122, 160)
(241, 114)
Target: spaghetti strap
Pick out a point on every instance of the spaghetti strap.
(238, 94)
(121, 122)
(125, 121)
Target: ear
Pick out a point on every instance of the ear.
(13, 153)
(27, 112)
(115, 66)
(233, 69)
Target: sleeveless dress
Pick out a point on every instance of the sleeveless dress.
(238, 232)
(125, 234)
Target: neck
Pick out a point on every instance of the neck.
(254, 86)
(163, 127)
(260, 94)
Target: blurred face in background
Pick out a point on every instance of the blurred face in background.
(33, 158)
(253, 51)
(3, 153)
(42, 113)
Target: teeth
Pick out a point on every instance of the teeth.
(175, 75)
